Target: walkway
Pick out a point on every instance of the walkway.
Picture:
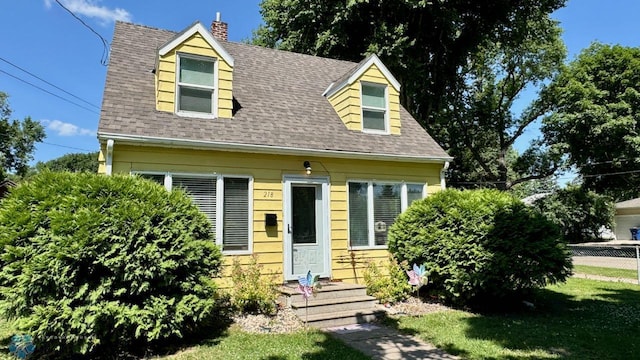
(381, 342)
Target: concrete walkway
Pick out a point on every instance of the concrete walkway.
(381, 342)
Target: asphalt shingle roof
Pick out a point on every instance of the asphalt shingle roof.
(280, 94)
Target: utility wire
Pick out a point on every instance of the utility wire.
(68, 147)
(105, 51)
(48, 83)
(49, 92)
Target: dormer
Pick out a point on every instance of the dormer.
(194, 74)
(367, 98)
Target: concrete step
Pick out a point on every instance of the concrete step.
(341, 318)
(316, 306)
(331, 290)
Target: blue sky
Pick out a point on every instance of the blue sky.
(42, 38)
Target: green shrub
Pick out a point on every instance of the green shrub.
(388, 286)
(580, 214)
(480, 245)
(253, 291)
(94, 264)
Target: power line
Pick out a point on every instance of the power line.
(49, 92)
(48, 83)
(105, 51)
(68, 147)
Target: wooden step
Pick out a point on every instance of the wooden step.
(315, 306)
(330, 290)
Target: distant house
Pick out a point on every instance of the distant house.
(302, 160)
(5, 186)
(627, 216)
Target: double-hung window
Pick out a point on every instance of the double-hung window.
(373, 208)
(196, 85)
(374, 107)
(225, 200)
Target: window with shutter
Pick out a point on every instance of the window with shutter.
(235, 223)
(386, 207)
(358, 214)
(203, 192)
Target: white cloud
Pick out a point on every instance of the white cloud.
(62, 128)
(92, 9)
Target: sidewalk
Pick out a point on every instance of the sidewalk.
(381, 342)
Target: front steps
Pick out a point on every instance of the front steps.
(335, 304)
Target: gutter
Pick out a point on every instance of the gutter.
(109, 158)
(262, 149)
(443, 184)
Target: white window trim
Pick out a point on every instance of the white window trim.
(386, 130)
(214, 89)
(168, 184)
(370, 209)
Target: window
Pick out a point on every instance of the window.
(228, 196)
(373, 208)
(196, 84)
(374, 107)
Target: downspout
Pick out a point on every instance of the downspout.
(109, 158)
(443, 184)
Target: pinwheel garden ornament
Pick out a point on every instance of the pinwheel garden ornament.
(418, 277)
(308, 286)
(21, 346)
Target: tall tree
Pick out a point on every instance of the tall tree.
(17, 140)
(76, 162)
(596, 118)
(483, 127)
(424, 43)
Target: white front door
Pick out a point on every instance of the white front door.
(306, 228)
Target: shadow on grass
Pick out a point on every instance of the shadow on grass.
(585, 322)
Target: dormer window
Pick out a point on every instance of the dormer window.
(196, 81)
(374, 107)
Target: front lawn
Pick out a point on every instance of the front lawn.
(582, 319)
(240, 345)
(605, 271)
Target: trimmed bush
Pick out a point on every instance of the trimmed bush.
(480, 245)
(94, 264)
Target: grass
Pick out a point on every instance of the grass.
(582, 319)
(238, 345)
(604, 271)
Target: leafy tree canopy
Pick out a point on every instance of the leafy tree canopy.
(596, 118)
(17, 140)
(76, 162)
(424, 43)
(483, 128)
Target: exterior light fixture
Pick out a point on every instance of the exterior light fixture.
(307, 166)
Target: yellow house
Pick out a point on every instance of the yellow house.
(304, 161)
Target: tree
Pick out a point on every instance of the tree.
(596, 118)
(581, 214)
(76, 162)
(17, 140)
(424, 43)
(483, 128)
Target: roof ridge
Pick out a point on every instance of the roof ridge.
(241, 43)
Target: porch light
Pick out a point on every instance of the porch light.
(307, 166)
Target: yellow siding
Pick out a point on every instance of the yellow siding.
(166, 76)
(268, 172)
(347, 103)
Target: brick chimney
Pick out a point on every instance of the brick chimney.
(219, 29)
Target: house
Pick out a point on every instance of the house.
(627, 216)
(5, 186)
(302, 160)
